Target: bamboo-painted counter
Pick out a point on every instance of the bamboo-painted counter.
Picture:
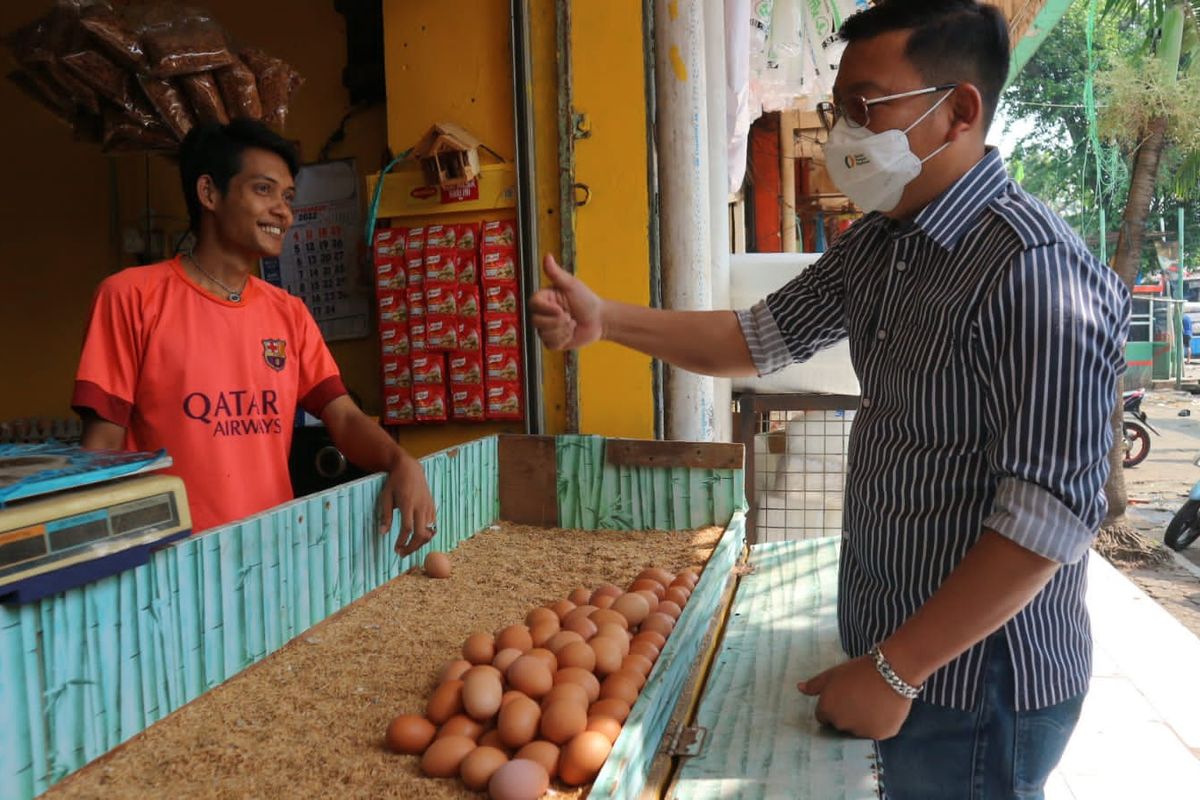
(761, 739)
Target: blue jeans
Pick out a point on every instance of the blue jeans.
(990, 753)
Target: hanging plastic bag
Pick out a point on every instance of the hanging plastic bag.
(170, 103)
(124, 134)
(205, 97)
(239, 90)
(182, 41)
(116, 36)
(277, 82)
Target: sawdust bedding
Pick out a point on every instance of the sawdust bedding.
(308, 721)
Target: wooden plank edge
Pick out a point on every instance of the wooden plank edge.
(697, 455)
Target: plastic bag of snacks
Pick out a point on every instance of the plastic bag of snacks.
(106, 69)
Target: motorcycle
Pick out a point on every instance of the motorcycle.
(1134, 425)
(1185, 525)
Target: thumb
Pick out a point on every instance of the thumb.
(558, 276)
(815, 685)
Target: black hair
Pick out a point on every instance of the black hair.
(952, 41)
(216, 150)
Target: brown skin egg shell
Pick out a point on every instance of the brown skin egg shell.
(445, 756)
(571, 692)
(617, 634)
(445, 702)
(410, 734)
(518, 723)
(539, 615)
(580, 596)
(603, 601)
(541, 632)
(635, 663)
(670, 608)
(577, 654)
(608, 655)
(548, 658)
(677, 595)
(561, 639)
(659, 623)
(605, 725)
(581, 625)
(462, 725)
(629, 674)
(648, 585)
(481, 695)
(479, 766)
(515, 636)
(454, 670)
(645, 649)
(582, 677)
(529, 674)
(633, 607)
(519, 779)
(583, 757)
(563, 721)
(619, 687)
(606, 616)
(545, 753)
(505, 658)
(650, 597)
(610, 707)
(480, 648)
(657, 574)
(584, 611)
(655, 638)
(437, 565)
(562, 608)
(492, 739)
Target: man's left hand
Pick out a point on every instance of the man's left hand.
(407, 490)
(855, 699)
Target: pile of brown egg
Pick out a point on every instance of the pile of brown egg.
(546, 699)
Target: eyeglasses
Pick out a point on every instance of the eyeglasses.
(856, 110)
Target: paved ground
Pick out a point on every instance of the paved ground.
(1157, 488)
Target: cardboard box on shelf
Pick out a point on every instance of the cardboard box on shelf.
(501, 330)
(394, 339)
(429, 403)
(467, 403)
(504, 401)
(465, 368)
(396, 371)
(500, 298)
(441, 332)
(502, 365)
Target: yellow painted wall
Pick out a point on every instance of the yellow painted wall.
(57, 237)
(615, 384)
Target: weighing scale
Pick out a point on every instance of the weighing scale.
(70, 516)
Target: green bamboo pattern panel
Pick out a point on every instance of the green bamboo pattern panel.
(596, 495)
(763, 740)
(625, 771)
(85, 670)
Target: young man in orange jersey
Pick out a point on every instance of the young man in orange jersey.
(199, 356)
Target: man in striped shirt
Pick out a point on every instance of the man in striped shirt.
(989, 345)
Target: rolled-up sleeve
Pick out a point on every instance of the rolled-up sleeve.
(1049, 344)
(803, 317)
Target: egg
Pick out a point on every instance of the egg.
(580, 596)
(608, 655)
(687, 584)
(605, 590)
(605, 725)
(635, 663)
(541, 632)
(561, 639)
(659, 623)
(479, 766)
(606, 616)
(548, 658)
(445, 702)
(628, 674)
(645, 649)
(545, 753)
(648, 585)
(581, 625)
(581, 677)
(492, 739)
(617, 634)
(670, 608)
(518, 722)
(519, 779)
(633, 607)
(541, 614)
(531, 675)
(509, 696)
(583, 757)
(484, 669)
(454, 670)
(462, 725)
(481, 696)
(610, 707)
(657, 574)
(677, 595)
(571, 692)
(650, 597)
(480, 648)
(619, 687)
(562, 721)
(562, 608)
(410, 733)
(514, 636)
(602, 601)
(655, 638)
(577, 654)
(437, 565)
(505, 658)
(577, 612)
(445, 756)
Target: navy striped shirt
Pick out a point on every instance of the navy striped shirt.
(989, 345)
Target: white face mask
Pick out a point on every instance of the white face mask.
(872, 169)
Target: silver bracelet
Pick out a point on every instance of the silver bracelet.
(898, 684)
